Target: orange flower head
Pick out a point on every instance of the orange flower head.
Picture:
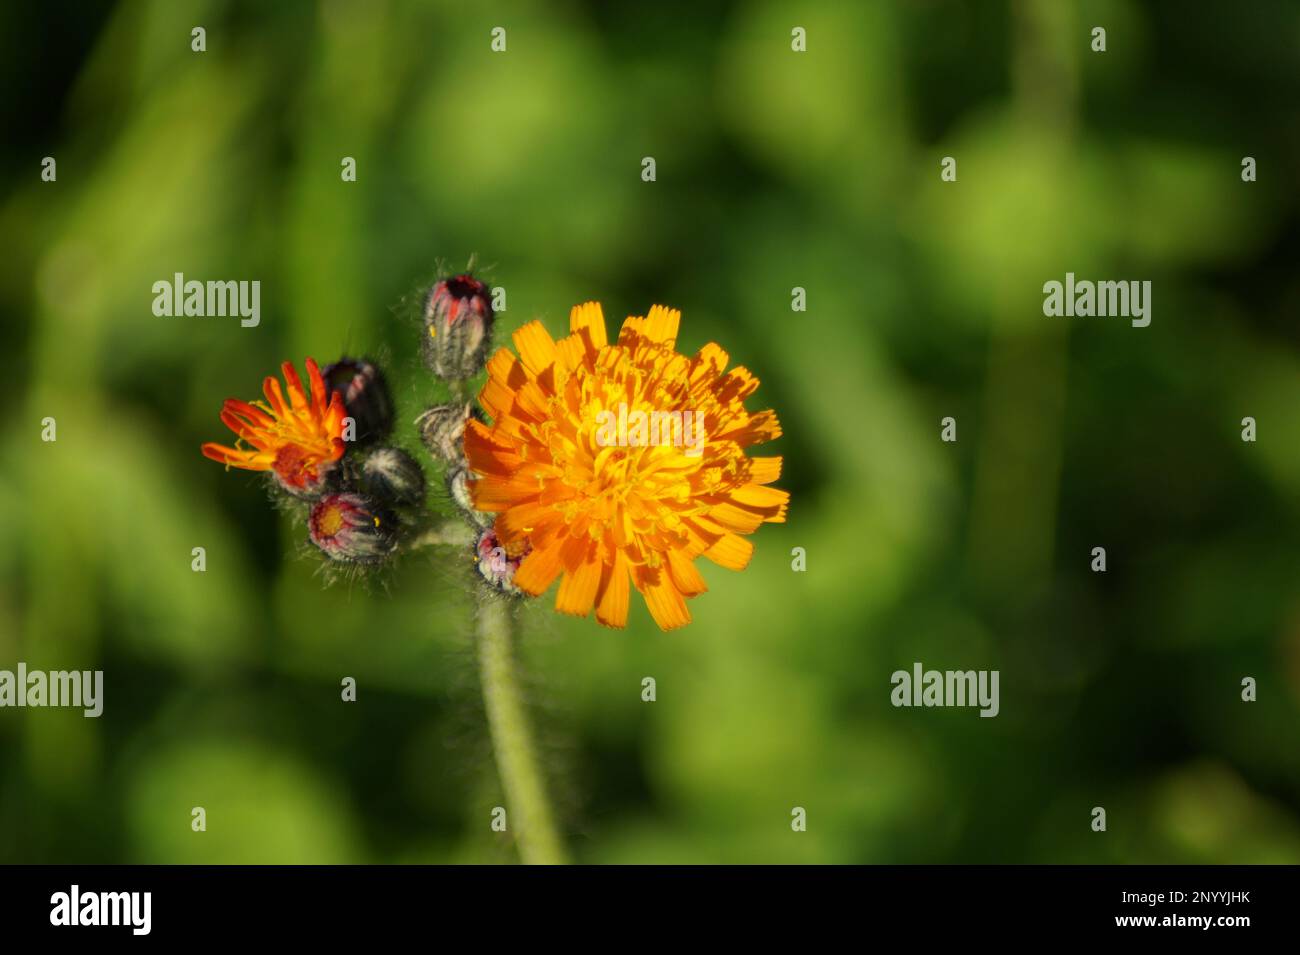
(609, 464)
(298, 441)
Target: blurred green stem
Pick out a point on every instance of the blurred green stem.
(452, 533)
(529, 813)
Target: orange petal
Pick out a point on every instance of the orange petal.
(275, 396)
(317, 385)
(573, 351)
(771, 502)
(731, 551)
(536, 347)
(244, 430)
(493, 493)
(760, 427)
(248, 460)
(589, 318)
(684, 574)
(335, 413)
(612, 594)
(297, 399)
(539, 570)
(738, 519)
(578, 589)
(488, 454)
(526, 519)
(218, 452)
(708, 364)
(736, 385)
(532, 401)
(664, 600)
(661, 325)
(250, 413)
(497, 392)
(633, 330)
(764, 470)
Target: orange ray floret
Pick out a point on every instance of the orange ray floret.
(597, 514)
(298, 440)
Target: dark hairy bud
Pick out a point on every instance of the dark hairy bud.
(365, 397)
(393, 476)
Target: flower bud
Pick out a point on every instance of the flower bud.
(442, 428)
(458, 489)
(352, 529)
(457, 327)
(393, 476)
(365, 397)
(495, 565)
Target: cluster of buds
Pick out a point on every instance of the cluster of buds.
(318, 446)
(457, 334)
(442, 429)
(325, 445)
(536, 501)
(358, 519)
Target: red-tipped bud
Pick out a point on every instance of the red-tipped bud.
(352, 529)
(457, 327)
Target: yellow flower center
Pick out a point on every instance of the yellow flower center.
(330, 521)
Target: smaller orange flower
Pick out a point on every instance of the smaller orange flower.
(298, 441)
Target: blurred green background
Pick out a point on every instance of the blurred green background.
(776, 169)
